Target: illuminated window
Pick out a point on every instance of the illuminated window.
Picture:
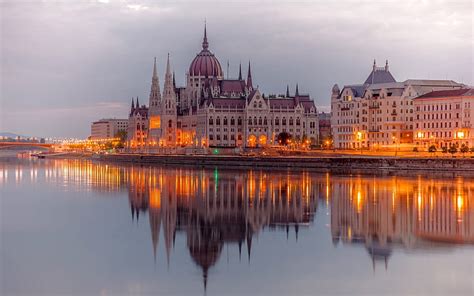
(155, 122)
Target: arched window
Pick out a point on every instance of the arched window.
(211, 121)
(232, 121)
(277, 121)
(250, 121)
(260, 120)
(283, 121)
(265, 121)
(138, 126)
(239, 121)
(170, 123)
(259, 104)
(291, 120)
(298, 121)
(218, 120)
(225, 120)
(255, 120)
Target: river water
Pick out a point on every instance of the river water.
(79, 227)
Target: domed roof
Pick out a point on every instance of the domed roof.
(205, 63)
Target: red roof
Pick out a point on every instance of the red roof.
(448, 93)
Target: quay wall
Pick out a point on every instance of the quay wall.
(341, 163)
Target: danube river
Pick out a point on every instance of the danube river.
(89, 228)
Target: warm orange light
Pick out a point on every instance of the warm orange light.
(460, 135)
(155, 122)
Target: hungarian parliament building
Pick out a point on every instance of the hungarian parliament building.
(213, 111)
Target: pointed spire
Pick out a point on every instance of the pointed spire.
(138, 104)
(386, 65)
(297, 93)
(174, 80)
(374, 66)
(133, 106)
(240, 71)
(249, 78)
(205, 44)
(155, 95)
(287, 91)
(168, 89)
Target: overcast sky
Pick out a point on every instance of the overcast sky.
(67, 63)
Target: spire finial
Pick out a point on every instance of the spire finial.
(297, 93)
(138, 104)
(375, 65)
(168, 68)
(155, 75)
(205, 44)
(240, 71)
(287, 91)
(249, 78)
(386, 65)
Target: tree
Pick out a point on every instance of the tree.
(464, 149)
(284, 138)
(122, 136)
(453, 150)
(432, 149)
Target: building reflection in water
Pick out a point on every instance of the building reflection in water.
(213, 208)
(394, 212)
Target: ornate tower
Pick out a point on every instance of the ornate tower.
(154, 113)
(169, 114)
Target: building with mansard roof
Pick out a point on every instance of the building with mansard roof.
(216, 111)
(378, 113)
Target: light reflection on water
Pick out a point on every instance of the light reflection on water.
(201, 213)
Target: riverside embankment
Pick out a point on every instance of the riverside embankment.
(326, 162)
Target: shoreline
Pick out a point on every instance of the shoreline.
(301, 162)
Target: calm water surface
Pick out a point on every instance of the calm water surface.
(86, 228)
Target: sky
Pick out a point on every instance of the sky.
(65, 64)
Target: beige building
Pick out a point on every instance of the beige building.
(107, 128)
(444, 118)
(378, 113)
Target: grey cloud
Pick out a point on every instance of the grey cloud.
(62, 56)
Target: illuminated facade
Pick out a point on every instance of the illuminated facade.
(213, 111)
(378, 113)
(137, 126)
(445, 118)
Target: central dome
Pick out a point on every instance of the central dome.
(205, 63)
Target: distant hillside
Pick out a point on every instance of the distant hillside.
(10, 135)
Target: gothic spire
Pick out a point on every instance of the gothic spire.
(287, 91)
(133, 106)
(205, 44)
(297, 93)
(155, 95)
(249, 78)
(138, 104)
(174, 80)
(168, 89)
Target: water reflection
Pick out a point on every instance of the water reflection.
(215, 208)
